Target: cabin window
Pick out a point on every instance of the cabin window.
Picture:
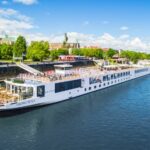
(85, 89)
(94, 87)
(41, 91)
(94, 80)
(68, 85)
(89, 88)
(112, 76)
(105, 78)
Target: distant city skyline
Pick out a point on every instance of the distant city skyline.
(120, 24)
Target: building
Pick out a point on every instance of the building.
(55, 46)
(91, 47)
(60, 45)
(7, 40)
(71, 58)
(118, 59)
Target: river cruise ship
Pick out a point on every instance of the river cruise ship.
(37, 88)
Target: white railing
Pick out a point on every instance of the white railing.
(29, 69)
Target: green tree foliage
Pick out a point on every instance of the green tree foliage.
(38, 51)
(88, 52)
(6, 51)
(134, 56)
(78, 52)
(54, 54)
(20, 46)
(110, 53)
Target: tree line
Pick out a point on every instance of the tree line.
(39, 51)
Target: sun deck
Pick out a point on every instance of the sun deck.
(75, 74)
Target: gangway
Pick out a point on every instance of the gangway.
(29, 69)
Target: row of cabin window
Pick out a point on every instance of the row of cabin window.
(114, 76)
(68, 85)
(103, 85)
(141, 70)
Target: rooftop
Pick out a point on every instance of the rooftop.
(63, 66)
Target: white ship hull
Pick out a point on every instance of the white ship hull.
(51, 96)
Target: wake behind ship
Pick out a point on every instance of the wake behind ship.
(37, 88)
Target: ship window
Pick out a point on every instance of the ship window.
(100, 85)
(41, 91)
(105, 78)
(89, 88)
(104, 84)
(85, 89)
(94, 87)
(68, 85)
(112, 76)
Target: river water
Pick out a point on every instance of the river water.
(116, 118)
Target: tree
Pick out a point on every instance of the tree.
(20, 46)
(77, 52)
(98, 53)
(134, 56)
(38, 51)
(110, 53)
(6, 51)
(54, 54)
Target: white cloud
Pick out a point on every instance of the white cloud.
(13, 14)
(26, 2)
(12, 21)
(4, 2)
(35, 37)
(106, 41)
(7, 12)
(124, 28)
(124, 36)
(14, 24)
(107, 37)
(136, 42)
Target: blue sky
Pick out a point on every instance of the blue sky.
(104, 20)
